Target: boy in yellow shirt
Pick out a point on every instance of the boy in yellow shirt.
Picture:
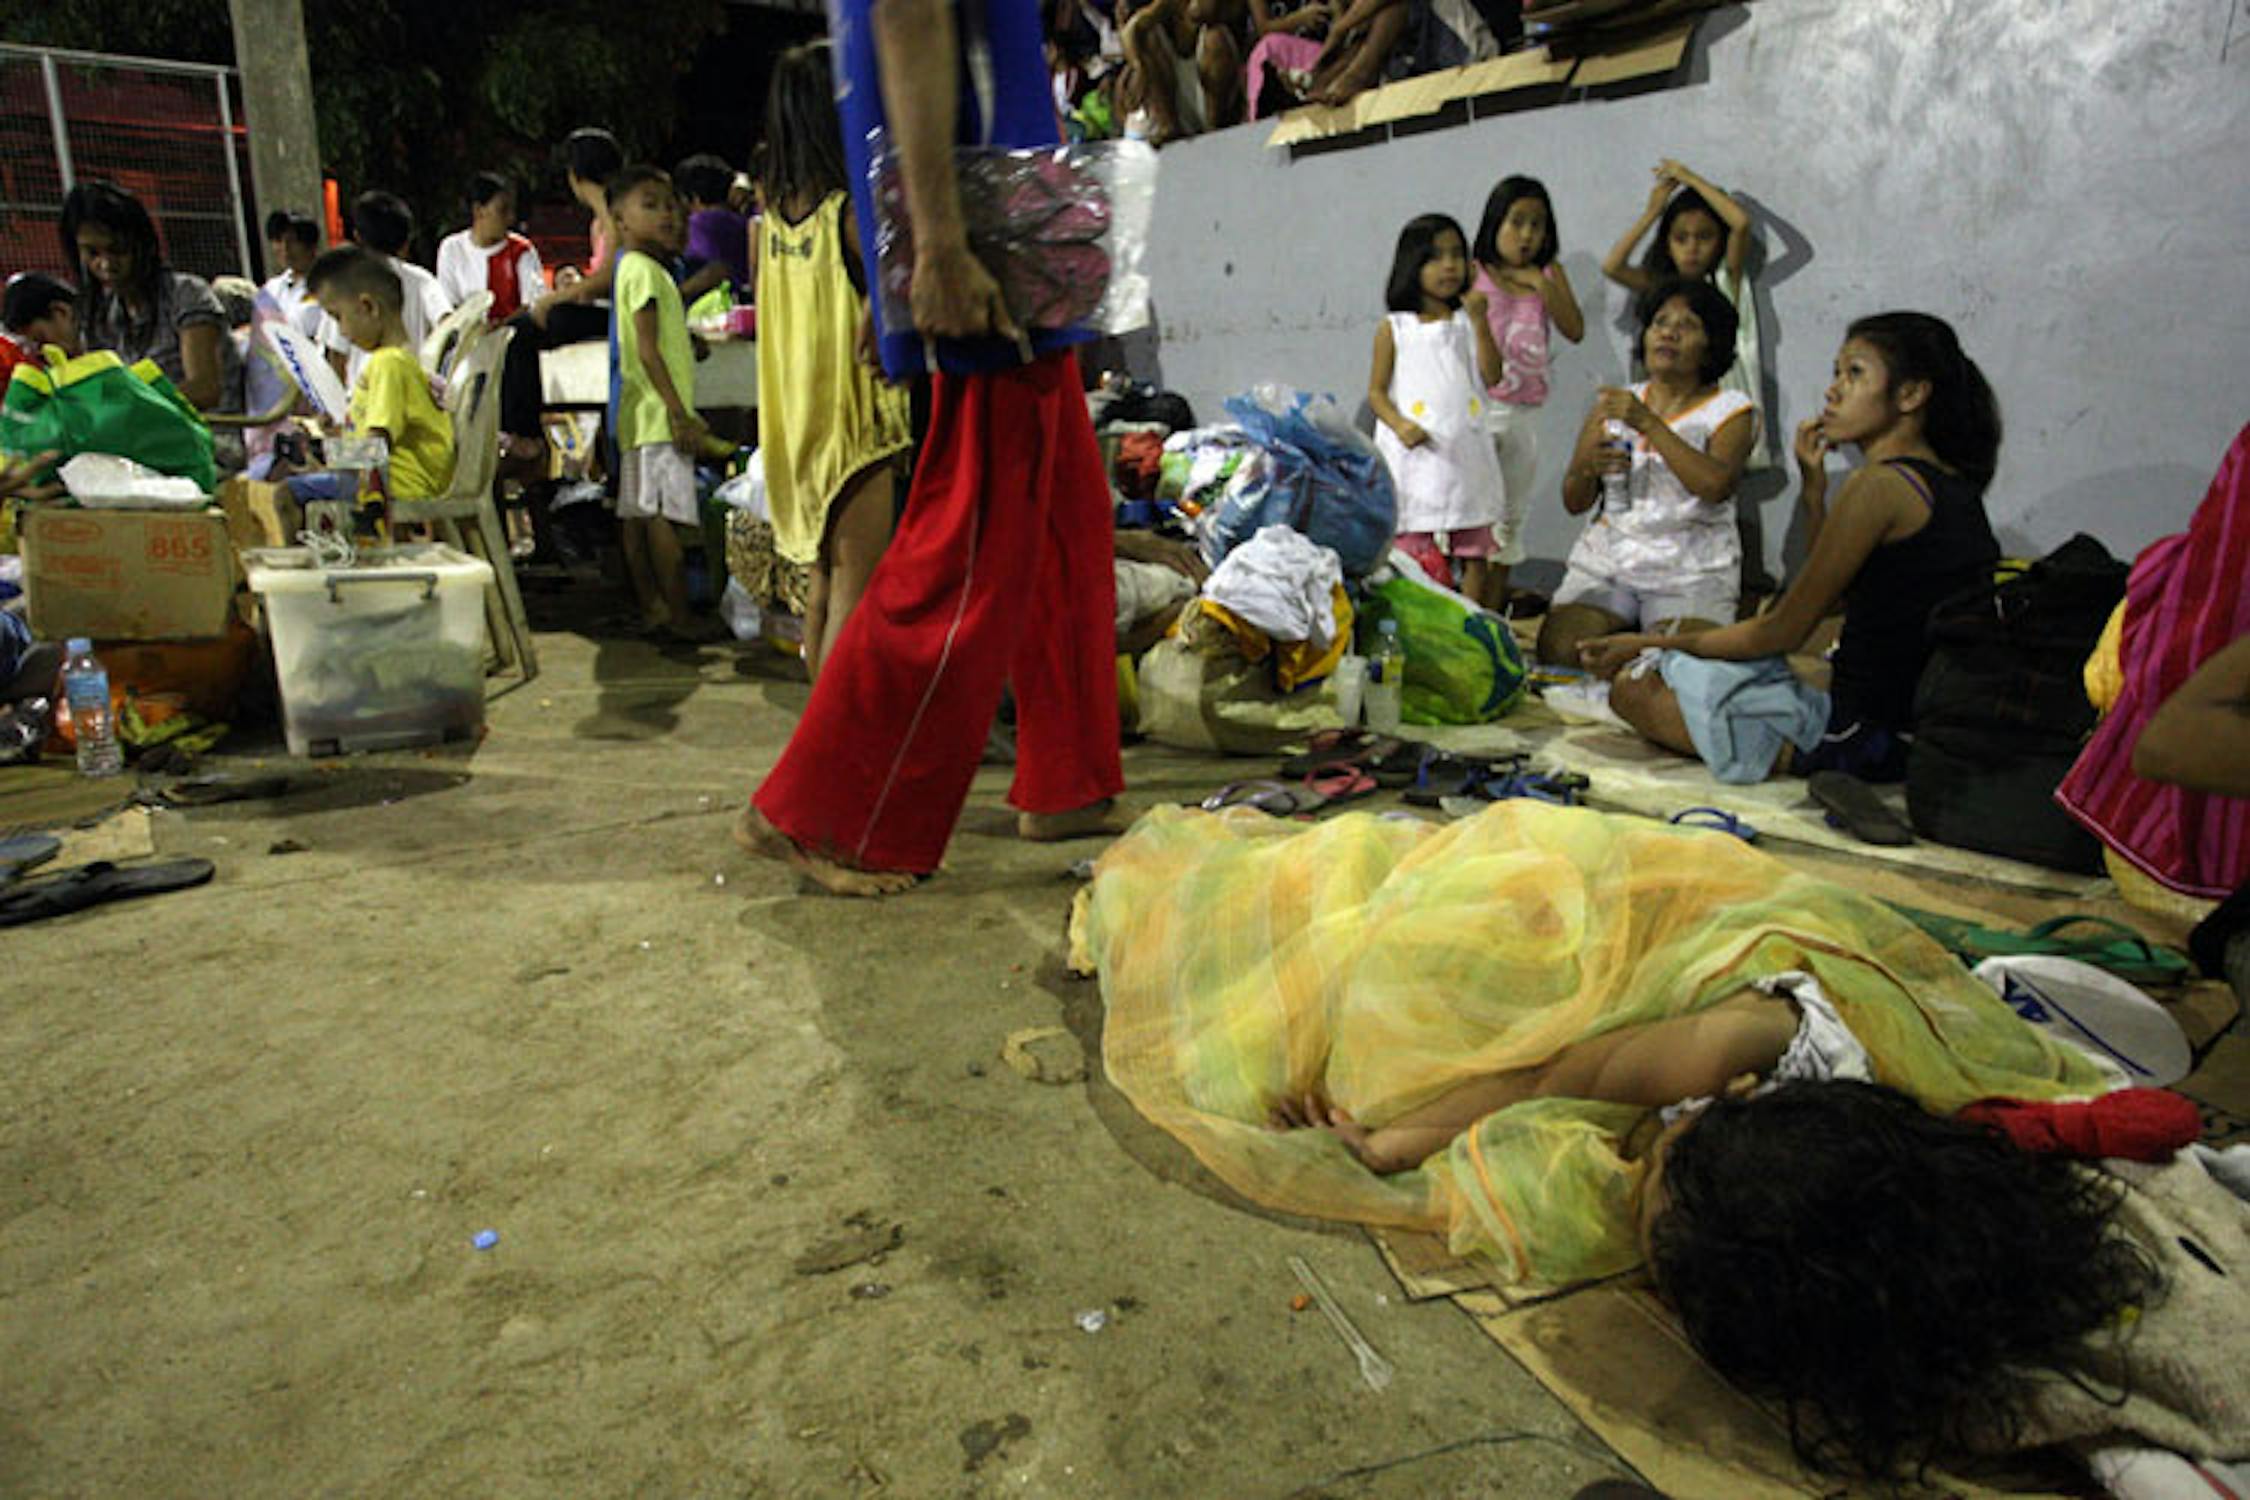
(392, 399)
(657, 430)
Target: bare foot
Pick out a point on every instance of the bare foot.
(1094, 820)
(758, 837)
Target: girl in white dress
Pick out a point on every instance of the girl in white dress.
(1434, 359)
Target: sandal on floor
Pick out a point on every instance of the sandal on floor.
(1562, 788)
(25, 851)
(1326, 748)
(2119, 949)
(1340, 783)
(90, 885)
(1855, 807)
(1444, 774)
(1270, 797)
(204, 791)
(1716, 818)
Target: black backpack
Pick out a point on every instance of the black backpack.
(2001, 712)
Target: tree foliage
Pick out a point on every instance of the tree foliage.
(414, 95)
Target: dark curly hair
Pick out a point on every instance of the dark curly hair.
(1892, 1276)
(1721, 323)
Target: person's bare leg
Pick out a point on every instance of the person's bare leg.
(1568, 626)
(1475, 575)
(1148, 49)
(632, 535)
(760, 838)
(1218, 64)
(1362, 64)
(1495, 595)
(815, 645)
(668, 562)
(1648, 703)
(859, 529)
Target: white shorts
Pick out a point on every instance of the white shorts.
(1711, 598)
(656, 480)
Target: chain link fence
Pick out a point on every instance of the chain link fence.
(166, 132)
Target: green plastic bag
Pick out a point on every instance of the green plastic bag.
(97, 404)
(1462, 662)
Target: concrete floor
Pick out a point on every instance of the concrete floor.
(249, 1130)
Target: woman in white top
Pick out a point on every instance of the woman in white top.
(1669, 559)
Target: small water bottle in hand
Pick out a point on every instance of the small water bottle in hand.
(1617, 484)
(1386, 680)
(86, 690)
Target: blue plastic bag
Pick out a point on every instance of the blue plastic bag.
(1322, 478)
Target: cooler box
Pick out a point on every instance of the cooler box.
(381, 655)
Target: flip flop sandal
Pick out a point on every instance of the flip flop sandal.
(1717, 818)
(1266, 796)
(25, 851)
(1340, 783)
(90, 885)
(1396, 762)
(1562, 788)
(1443, 774)
(1327, 748)
(1854, 807)
(2121, 950)
(204, 791)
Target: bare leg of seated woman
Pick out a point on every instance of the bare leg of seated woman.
(1653, 1064)
(1218, 64)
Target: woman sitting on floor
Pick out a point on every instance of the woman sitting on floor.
(1665, 556)
(1908, 530)
(1484, 1020)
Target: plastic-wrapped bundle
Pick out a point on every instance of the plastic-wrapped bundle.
(1322, 477)
(1064, 229)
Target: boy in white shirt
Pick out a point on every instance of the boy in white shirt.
(382, 222)
(489, 256)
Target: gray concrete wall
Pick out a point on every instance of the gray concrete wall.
(2068, 183)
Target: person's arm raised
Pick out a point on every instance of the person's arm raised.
(1731, 213)
(1618, 264)
(1562, 302)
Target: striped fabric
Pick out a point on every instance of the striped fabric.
(2188, 597)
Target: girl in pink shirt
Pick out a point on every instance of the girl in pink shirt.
(1526, 295)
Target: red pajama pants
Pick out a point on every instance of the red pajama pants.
(1000, 575)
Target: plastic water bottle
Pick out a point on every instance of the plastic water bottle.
(1386, 679)
(86, 690)
(1617, 486)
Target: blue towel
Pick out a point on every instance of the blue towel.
(1739, 713)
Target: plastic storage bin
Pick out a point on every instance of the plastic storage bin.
(384, 654)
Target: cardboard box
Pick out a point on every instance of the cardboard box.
(260, 514)
(127, 575)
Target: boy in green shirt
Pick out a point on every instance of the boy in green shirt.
(655, 423)
(392, 399)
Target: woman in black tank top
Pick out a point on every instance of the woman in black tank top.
(1907, 529)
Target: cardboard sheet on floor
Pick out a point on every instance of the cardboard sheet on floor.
(1615, 1356)
(1631, 775)
(124, 835)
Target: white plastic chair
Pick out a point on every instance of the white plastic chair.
(472, 399)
